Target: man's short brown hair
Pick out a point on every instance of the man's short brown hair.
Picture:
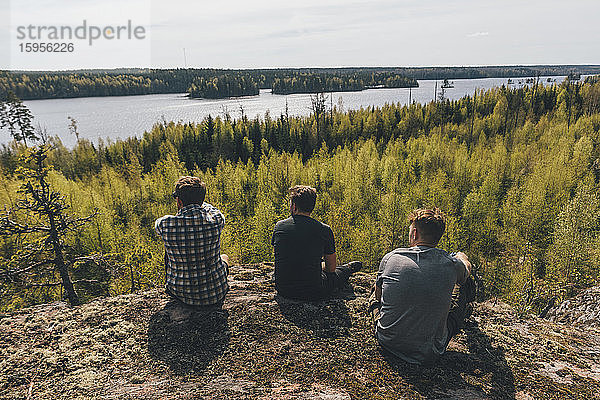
(304, 197)
(190, 190)
(430, 223)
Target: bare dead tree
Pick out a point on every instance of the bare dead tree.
(40, 222)
(73, 127)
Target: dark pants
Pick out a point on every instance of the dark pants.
(330, 282)
(461, 308)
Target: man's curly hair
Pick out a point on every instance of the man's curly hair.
(304, 197)
(430, 223)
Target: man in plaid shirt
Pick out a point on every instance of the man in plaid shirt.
(196, 272)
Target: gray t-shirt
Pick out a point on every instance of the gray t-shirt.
(417, 286)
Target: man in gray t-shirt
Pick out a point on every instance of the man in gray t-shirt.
(413, 293)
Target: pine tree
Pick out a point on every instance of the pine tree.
(15, 116)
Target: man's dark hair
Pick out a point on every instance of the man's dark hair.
(430, 223)
(304, 197)
(190, 190)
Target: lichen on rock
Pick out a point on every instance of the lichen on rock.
(260, 346)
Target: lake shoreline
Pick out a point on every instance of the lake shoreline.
(121, 117)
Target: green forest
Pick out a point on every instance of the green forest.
(222, 86)
(205, 83)
(221, 83)
(517, 172)
(323, 82)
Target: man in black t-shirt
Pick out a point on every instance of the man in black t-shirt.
(301, 243)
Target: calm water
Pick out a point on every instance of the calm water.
(122, 117)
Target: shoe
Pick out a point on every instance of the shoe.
(468, 311)
(355, 266)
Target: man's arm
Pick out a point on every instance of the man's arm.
(375, 302)
(330, 262)
(329, 256)
(377, 292)
(157, 227)
(465, 260)
(375, 298)
(216, 214)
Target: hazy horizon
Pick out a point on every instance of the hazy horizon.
(312, 67)
(234, 34)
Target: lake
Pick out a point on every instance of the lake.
(126, 116)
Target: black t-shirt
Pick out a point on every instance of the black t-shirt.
(300, 242)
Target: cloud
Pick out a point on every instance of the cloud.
(478, 34)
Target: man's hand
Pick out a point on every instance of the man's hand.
(463, 257)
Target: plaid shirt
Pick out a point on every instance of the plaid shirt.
(195, 272)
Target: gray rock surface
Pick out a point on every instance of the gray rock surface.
(583, 309)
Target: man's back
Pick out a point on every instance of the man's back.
(195, 272)
(299, 243)
(416, 286)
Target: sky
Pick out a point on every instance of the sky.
(310, 33)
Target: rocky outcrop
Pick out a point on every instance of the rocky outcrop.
(143, 346)
(582, 309)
